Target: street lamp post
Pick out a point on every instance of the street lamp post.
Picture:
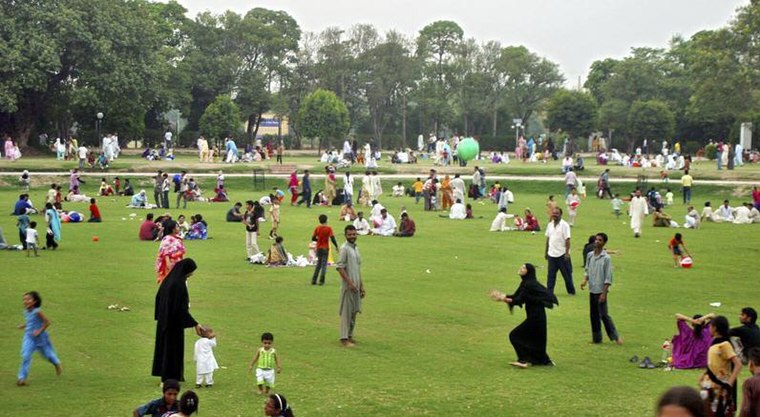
(517, 124)
(98, 124)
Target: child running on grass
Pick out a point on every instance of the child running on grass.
(617, 204)
(160, 406)
(266, 360)
(35, 336)
(677, 248)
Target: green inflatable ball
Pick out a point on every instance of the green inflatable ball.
(468, 149)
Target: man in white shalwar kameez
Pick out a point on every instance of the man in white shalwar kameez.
(638, 209)
(377, 186)
(385, 224)
(458, 186)
(368, 186)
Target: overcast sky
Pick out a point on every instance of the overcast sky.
(572, 33)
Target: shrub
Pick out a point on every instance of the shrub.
(711, 151)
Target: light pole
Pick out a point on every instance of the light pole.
(98, 124)
(517, 124)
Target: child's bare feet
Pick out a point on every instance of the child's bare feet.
(619, 340)
(58, 369)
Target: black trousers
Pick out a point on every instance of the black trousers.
(321, 266)
(565, 267)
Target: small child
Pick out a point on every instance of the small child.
(398, 190)
(751, 386)
(35, 336)
(117, 186)
(274, 213)
(677, 248)
(572, 201)
(417, 186)
(160, 406)
(94, 212)
(205, 362)
(31, 239)
(669, 197)
(617, 204)
(266, 359)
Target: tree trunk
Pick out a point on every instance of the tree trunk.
(256, 128)
(403, 121)
(495, 118)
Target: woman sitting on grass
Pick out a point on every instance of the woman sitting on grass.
(692, 341)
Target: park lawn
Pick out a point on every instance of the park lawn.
(430, 343)
(132, 162)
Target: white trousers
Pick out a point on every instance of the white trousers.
(209, 377)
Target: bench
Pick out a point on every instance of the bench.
(282, 168)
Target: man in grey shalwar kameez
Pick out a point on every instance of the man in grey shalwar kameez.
(351, 288)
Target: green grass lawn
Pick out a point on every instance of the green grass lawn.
(429, 343)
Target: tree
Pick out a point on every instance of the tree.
(529, 80)
(386, 72)
(221, 118)
(437, 46)
(651, 119)
(64, 61)
(600, 72)
(572, 111)
(613, 117)
(323, 115)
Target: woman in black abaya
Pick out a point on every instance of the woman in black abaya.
(529, 338)
(172, 317)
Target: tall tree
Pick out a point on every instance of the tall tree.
(221, 118)
(323, 115)
(78, 58)
(651, 119)
(530, 80)
(437, 46)
(573, 112)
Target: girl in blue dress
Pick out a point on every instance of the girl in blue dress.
(36, 337)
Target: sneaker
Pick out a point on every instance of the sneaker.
(346, 343)
(197, 385)
(209, 385)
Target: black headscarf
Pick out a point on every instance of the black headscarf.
(172, 298)
(532, 290)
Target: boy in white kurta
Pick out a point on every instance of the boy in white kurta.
(205, 362)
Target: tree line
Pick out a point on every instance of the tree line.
(138, 61)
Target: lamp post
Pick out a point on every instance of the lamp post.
(517, 124)
(98, 124)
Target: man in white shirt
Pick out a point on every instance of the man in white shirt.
(558, 252)
(726, 212)
(361, 224)
(499, 224)
(168, 139)
(398, 190)
(385, 225)
(457, 184)
(82, 155)
(571, 181)
(458, 211)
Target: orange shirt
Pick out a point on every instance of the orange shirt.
(94, 211)
(323, 233)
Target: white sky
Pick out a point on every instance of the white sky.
(572, 33)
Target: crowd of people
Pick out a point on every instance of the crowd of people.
(702, 342)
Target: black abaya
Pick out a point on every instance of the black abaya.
(172, 316)
(529, 338)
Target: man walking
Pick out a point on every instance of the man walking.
(598, 277)
(351, 288)
(686, 182)
(305, 190)
(558, 252)
(638, 209)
